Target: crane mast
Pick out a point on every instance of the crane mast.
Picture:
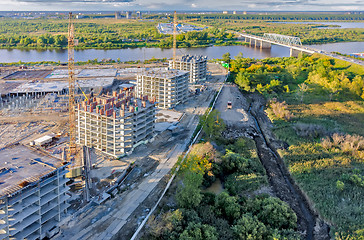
(71, 89)
(174, 39)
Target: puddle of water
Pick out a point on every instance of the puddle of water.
(216, 187)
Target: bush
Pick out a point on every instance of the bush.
(273, 212)
(199, 232)
(189, 195)
(353, 144)
(249, 228)
(340, 185)
(234, 162)
(280, 110)
(228, 207)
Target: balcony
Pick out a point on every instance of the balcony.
(23, 214)
(49, 215)
(25, 203)
(47, 198)
(47, 189)
(20, 227)
(28, 231)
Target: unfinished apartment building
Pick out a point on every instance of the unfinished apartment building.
(168, 87)
(33, 197)
(196, 65)
(115, 124)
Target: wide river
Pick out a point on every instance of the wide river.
(341, 24)
(133, 54)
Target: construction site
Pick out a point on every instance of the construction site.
(169, 87)
(77, 140)
(195, 65)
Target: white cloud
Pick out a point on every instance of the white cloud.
(239, 5)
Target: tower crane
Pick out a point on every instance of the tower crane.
(174, 39)
(71, 89)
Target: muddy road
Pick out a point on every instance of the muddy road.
(257, 126)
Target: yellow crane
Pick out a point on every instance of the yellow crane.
(174, 39)
(71, 89)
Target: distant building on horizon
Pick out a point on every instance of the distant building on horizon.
(128, 15)
(117, 15)
(225, 12)
(139, 14)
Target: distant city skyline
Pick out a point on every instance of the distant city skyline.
(145, 5)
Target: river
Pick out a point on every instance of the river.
(134, 54)
(341, 24)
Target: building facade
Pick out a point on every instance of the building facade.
(33, 200)
(168, 87)
(196, 65)
(115, 124)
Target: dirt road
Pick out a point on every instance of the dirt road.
(284, 187)
(236, 116)
(108, 220)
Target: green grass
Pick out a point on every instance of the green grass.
(317, 171)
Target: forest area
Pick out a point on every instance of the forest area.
(244, 210)
(308, 33)
(317, 109)
(101, 33)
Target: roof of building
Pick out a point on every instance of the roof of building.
(20, 164)
(191, 58)
(163, 73)
(84, 73)
(57, 86)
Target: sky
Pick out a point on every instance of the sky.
(179, 5)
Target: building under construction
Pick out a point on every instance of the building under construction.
(115, 124)
(168, 87)
(196, 65)
(33, 197)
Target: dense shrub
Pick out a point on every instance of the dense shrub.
(273, 212)
(353, 144)
(189, 195)
(280, 110)
(199, 232)
(250, 228)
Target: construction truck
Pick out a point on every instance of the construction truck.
(229, 105)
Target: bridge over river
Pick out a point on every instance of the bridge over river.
(293, 43)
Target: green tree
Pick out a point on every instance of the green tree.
(213, 125)
(302, 89)
(226, 57)
(189, 194)
(228, 206)
(273, 212)
(249, 228)
(234, 162)
(243, 81)
(199, 232)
